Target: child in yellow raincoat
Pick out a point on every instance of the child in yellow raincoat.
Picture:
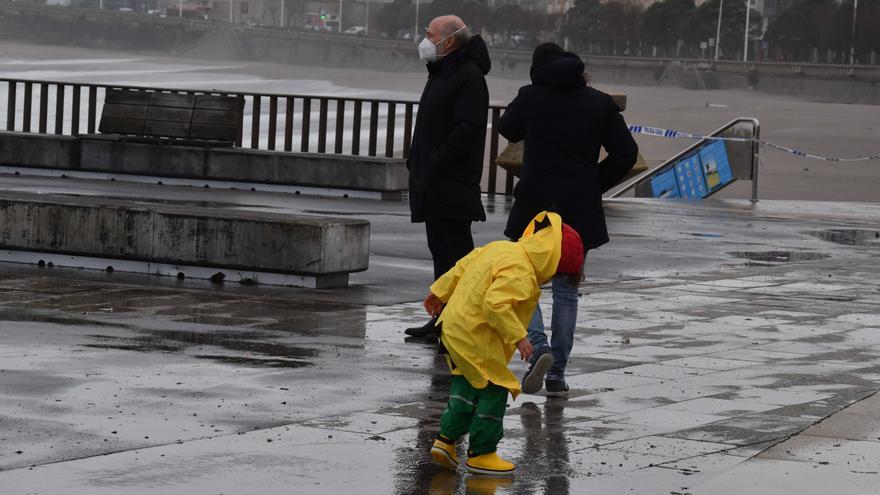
(487, 301)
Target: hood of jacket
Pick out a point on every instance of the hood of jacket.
(559, 70)
(542, 241)
(474, 52)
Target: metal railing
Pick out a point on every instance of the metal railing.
(734, 129)
(274, 122)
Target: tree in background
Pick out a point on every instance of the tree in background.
(396, 17)
(701, 24)
(867, 31)
(584, 25)
(476, 14)
(621, 20)
(661, 24)
(509, 20)
(802, 29)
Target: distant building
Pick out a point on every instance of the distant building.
(318, 15)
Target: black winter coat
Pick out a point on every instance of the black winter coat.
(446, 158)
(564, 123)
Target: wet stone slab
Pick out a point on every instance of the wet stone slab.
(683, 371)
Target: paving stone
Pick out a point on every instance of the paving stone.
(660, 370)
(708, 362)
(668, 447)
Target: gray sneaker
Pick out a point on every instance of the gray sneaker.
(534, 377)
(556, 387)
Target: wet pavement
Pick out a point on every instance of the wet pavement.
(722, 347)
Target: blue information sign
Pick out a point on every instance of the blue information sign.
(695, 176)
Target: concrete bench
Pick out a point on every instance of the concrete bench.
(385, 178)
(183, 241)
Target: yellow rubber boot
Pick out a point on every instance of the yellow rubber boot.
(443, 454)
(490, 464)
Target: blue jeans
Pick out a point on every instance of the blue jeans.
(565, 302)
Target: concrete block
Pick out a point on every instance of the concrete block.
(320, 247)
(308, 169)
(39, 150)
(116, 155)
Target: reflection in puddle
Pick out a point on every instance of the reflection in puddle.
(849, 237)
(779, 256)
(246, 350)
(253, 361)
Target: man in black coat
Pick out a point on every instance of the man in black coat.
(446, 159)
(564, 123)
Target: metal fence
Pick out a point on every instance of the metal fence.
(279, 122)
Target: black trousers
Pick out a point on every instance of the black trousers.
(449, 241)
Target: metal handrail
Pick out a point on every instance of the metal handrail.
(755, 155)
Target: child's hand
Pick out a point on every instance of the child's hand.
(433, 305)
(525, 349)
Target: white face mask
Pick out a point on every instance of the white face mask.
(428, 50)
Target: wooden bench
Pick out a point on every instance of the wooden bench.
(175, 118)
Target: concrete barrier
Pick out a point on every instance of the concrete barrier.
(385, 176)
(172, 239)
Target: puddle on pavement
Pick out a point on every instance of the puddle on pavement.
(766, 258)
(849, 237)
(258, 362)
(245, 350)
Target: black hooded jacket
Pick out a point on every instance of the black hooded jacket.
(564, 123)
(446, 159)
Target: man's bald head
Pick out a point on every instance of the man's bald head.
(449, 33)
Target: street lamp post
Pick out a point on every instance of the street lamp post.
(231, 4)
(339, 16)
(282, 14)
(718, 31)
(416, 30)
(746, 41)
(852, 46)
(367, 20)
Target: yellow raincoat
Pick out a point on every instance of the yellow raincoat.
(490, 296)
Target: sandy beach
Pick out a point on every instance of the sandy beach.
(827, 129)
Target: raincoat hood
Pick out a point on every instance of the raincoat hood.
(559, 70)
(542, 241)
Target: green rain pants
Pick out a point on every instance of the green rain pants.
(479, 412)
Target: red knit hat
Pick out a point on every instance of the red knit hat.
(571, 260)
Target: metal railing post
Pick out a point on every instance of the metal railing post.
(757, 156)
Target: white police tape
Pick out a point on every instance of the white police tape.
(674, 134)
(671, 133)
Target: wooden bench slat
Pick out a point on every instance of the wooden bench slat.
(124, 97)
(172, 100)
(166, 129)
(222, 117)
(213, 102)
(124, 111)
(165, 114)
(209, 131)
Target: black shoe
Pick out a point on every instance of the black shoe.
(540, 364)
(424, 330)
(556, 387)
